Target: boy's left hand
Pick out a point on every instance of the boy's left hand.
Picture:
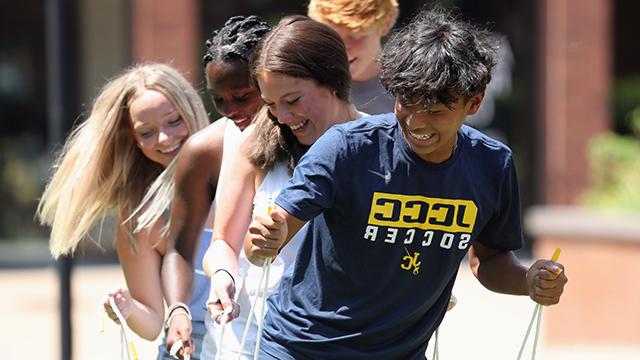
(545, 282)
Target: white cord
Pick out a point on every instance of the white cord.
(535, 339)
(267, 264)
(537, 312)
(262, 292)
(219, 350)
(126, 332)
(436, 356)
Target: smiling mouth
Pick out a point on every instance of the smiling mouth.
(239, 121)
(242, 123)
(299, 126)
(171, 149)
(421, 136)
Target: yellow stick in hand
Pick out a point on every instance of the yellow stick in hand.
(554, 258)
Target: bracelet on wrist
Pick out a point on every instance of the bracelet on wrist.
(228, 273)
(176, 309)
(176, 312)
(178, 305)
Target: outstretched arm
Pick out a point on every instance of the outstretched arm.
(233, 214)
(500, 271)
(142, 304)
(195, 179)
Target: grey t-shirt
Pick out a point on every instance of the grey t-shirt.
(370, 97)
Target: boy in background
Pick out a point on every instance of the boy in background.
(362, 25)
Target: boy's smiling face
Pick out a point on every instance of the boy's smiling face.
(431, 132)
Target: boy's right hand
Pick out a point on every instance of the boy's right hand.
(123, 301)
(267, 234)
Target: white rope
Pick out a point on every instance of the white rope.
(265, 273)
(219, 350)
(267, 264)
(177, 345)
(537, 312)
(535, 339)
(222, 328)
(435, 356)
(126, 334)
(537, 317)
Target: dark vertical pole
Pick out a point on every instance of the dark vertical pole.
(60, 92)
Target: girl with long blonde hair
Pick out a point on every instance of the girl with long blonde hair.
(137, 126)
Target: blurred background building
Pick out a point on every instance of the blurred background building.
(570, 74)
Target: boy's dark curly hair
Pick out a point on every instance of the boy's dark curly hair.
(436, 59)
(236, 39)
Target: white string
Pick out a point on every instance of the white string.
(124, 352)
(537, 311)
(125, 331)
(262, 292)
(253, 306)
(436, 356)
(267, 264)
(535, 339)
(219, 351)
(177, 345)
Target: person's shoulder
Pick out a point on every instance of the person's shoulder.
(206, 143)
(485, 146)
(369, 123)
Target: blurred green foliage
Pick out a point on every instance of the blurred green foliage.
(626, 100)
(614, 164)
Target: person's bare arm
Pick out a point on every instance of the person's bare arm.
(500, 271)
(141, 268)
(234, 205)
(233, 214)
(196, 178)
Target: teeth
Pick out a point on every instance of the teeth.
(298, 126)
(166, 151)
(421, 137)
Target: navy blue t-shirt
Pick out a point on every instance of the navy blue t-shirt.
(386, 236)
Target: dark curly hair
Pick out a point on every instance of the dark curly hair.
(437, 58)
(236, 39)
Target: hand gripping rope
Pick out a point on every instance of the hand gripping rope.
(260, 294)
(173, 352)
(125, 333)
(536, 317)
(219, 350)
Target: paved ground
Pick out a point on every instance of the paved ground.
(483, 325)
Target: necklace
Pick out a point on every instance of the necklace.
(455, 145)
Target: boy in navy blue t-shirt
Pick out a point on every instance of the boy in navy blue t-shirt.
(394, 203)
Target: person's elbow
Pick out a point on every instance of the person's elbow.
(149, 331)
(152, 335)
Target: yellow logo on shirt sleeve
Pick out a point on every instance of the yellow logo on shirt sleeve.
(427, 213)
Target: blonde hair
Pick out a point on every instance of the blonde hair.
(100, 168)
(355, 15)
